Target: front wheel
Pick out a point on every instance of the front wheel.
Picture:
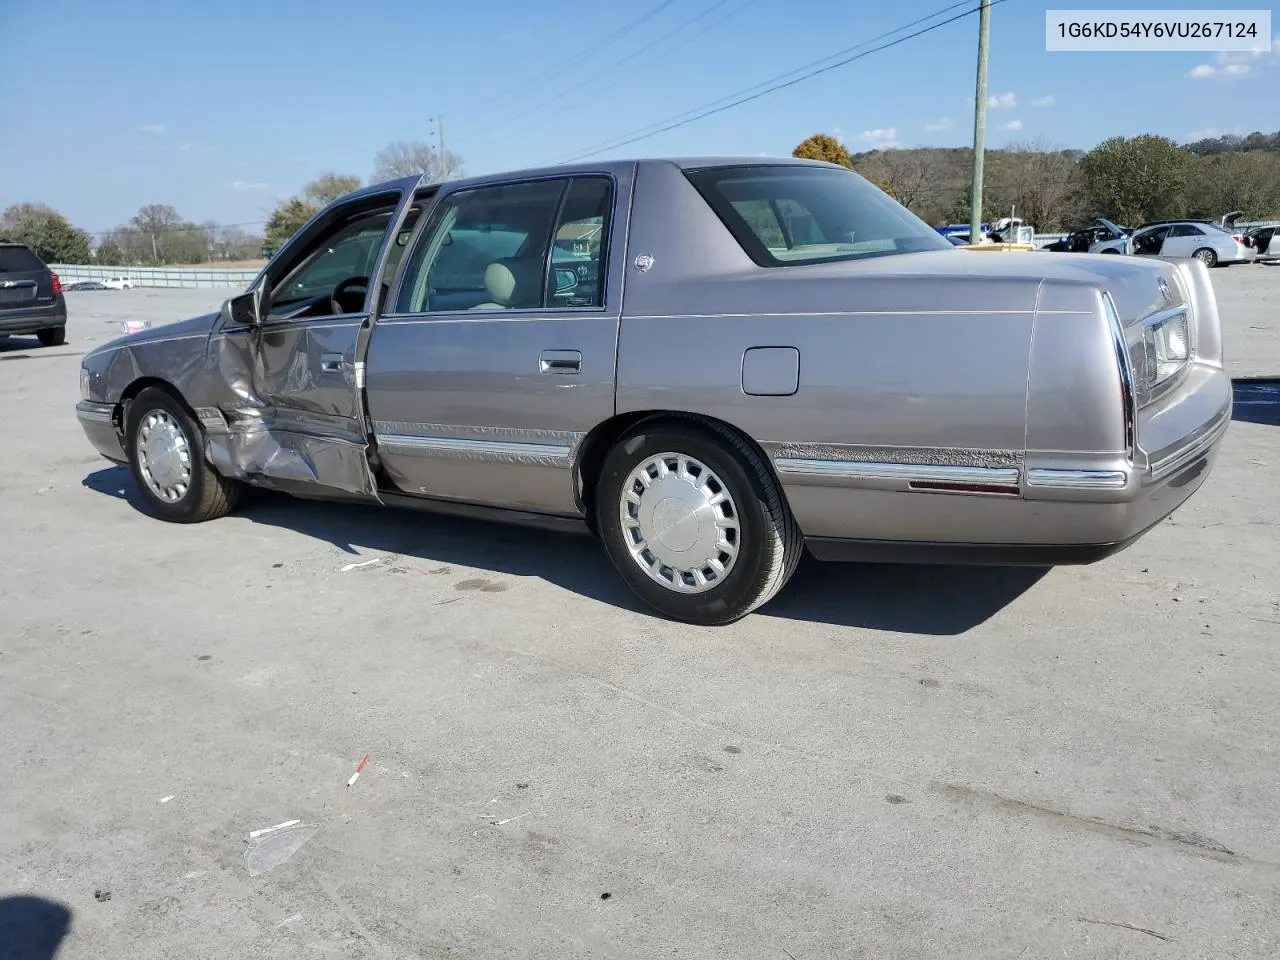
(1206, 256)
(52, 336)
(694, 522)
(167, 459)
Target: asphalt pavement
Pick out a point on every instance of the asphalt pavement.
(886, 762)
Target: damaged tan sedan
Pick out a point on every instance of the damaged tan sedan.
(713, 364)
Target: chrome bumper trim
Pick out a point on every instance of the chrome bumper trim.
(1077, 479)
(91, 412)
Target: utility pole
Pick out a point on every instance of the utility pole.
(444, 157)
(979, 123)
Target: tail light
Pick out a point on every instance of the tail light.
(57, 284)
(1128, 406)
(1238, 237)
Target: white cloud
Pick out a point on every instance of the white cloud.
(879, 134)
(186, 146)
(1212, 133)
(248, 185)
(1013, 125)
(1043, 102)
(934, 126)
(155, 129)
(1004, 101)
(1236, 63)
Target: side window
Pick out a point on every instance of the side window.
(579, 251)
(485, 249)
(349, 252)
(1186, 230)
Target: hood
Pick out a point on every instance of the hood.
(201, 324)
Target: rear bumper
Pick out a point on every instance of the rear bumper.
(97, 421)
(22, 320)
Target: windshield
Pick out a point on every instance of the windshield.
(798, 214)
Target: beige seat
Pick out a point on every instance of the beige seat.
(512, 283)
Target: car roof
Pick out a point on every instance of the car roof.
(602, 166)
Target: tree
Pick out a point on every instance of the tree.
(1132, 180)
(328, 187)
(823, 147)
(287, 219)
(404, 158)
(46, 232)
(1038, 180)
(1248, 181)
(109, 253)
(154, 220)
(909, 176)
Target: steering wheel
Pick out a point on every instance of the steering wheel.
(335, 298)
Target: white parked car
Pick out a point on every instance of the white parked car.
(1207, 242)
(119, 283)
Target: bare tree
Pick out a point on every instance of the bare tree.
(913, 177)
(404, 158)
(153, 220)
(328, 187)
(1038, 179)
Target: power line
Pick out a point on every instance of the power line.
(770, 86)
(574, 60)
(800, 69)
(579, 84)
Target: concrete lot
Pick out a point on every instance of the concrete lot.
(887, 762)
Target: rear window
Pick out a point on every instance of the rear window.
(13, 259)
(791, 214)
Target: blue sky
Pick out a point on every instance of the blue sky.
(222, 109)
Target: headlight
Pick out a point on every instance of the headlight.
(84, 384)
(1166, 339)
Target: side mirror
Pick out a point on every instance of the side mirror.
(243, 310)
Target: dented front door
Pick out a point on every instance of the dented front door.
(301, 419)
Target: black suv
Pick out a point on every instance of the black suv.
(31, 298)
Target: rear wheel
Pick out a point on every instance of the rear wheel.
(1206, 256)
(167, 459)
(1109, 250)
(694, 522)
(52, 336)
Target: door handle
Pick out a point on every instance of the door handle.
(560, 361)
(331, 362)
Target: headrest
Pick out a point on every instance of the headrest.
(514, 282)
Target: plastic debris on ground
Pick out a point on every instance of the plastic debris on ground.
(357, 566)
(272, 846)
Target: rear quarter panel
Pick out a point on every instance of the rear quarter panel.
(892, 368)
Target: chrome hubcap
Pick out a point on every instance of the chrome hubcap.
(680, 522)
(164, 456)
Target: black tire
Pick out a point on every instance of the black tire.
(1111, 250)
(769, 546)
(209, 495)
(52, 336)
(1206, 256)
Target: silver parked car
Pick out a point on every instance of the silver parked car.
(710, 363)
(1209, 243)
